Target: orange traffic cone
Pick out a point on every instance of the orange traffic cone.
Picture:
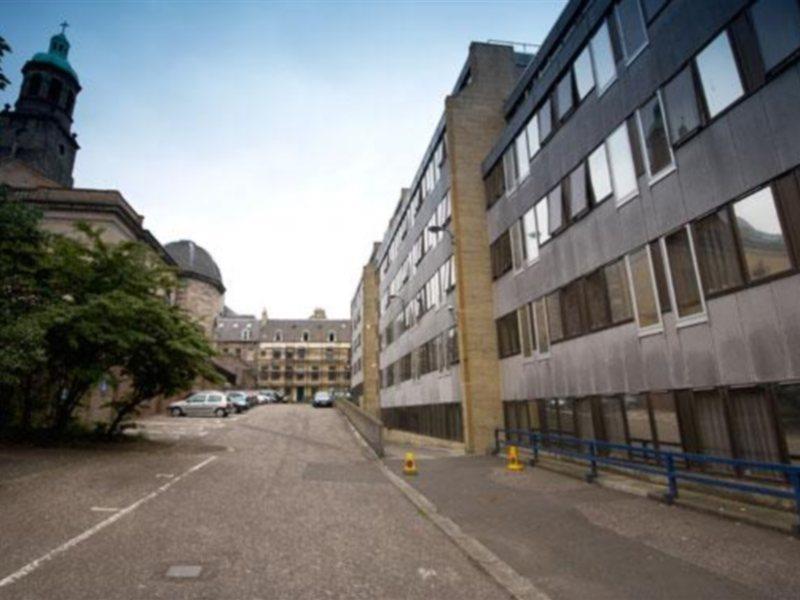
(410, 464)
(514, 463)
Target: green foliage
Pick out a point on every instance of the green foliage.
(74, 311)
(4, 47)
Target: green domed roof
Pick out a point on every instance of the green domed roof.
(57, 55)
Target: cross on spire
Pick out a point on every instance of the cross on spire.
(64, 26)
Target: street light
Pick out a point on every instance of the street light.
(441, 229)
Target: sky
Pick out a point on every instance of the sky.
(277, 136)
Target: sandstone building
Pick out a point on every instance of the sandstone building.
(364, 357)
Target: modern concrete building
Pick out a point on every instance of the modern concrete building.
(436, 237)
(364, 354)
(643, 206)
(297, 357)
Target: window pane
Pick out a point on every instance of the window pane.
(572, 308)
(619, 297)
(554, 209)
(540, 321)
(719, 75)
(638, 415)
(760, 231)
(661, 277)
(788, 398)
(554, 317)
(564, 92)
(517, 256)
(752, 425)
(599, 175)
(510, 167)
(683, 113)
(545, 121)
(654, 134)
(542, 221)
(623, 172)
(578, 199)
(603, 58)
(777, 24)
(523, 165)
(508, 335)
(665, 419)
(644, 289)
(651, 7)
(716, 253)
(584, 78)
(634, 35)
(597, 300)
(530, 234)
(532, 131)
(684, 276)
(525, 329)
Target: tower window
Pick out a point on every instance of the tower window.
(54, 92)
(35, 85)
(331, 336)
(61, 149)
(306, 336)
(70, 103)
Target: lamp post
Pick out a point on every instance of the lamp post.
(441, 229)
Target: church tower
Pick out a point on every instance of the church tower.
(39, 129)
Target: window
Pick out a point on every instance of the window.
(619, 297)
(605, 69)
(443, 212)
(777, 25)
(564, 96)
(761, 235)
(545, 121)
(523, 164)
(632, 29)
(584, 78)
(530, 235)
(688, 300)
(716, 252)
(306, 336)
(683, 112)
(501, 255)
(542, 338)
(331, 336)
(662, 287)
(555, 211)
(54, 91)
(494, 184)
(510, 168)
(523, 317)
(645, 299)
(35, 85)
(578, 198)
(542, 221)
(598, 310)
(278, 336)
(623, 171)
(719, 75)
(452, 346)
(508, 335)
(572, 308)
(599, 175)
(532, 132)
(517, 249)
(658, 152)
(554, 321)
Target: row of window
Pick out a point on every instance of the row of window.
(438, 353)
(299, 375)
(430, 177)
(305, 336)
(750, 423)
(435, 420)
(302, 353)
(746, 242)
(429, 296)
(641, 145)
(427, 241)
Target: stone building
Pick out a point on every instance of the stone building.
(296, 357)
(364, 358)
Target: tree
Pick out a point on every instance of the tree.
(4, 47)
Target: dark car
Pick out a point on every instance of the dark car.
(239, 401)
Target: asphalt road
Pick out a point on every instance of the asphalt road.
(277, 503)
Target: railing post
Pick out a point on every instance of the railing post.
(592, 474)
(672, 481)
(794, 477)
(534, 448)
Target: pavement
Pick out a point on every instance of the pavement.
(280, 502)
(573, 540)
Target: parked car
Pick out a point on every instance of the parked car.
(252, 398)
(269, 396)
(202, 404)
(239, 401)
(322, 399)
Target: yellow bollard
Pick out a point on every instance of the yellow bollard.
(409, 464)
(514, 463)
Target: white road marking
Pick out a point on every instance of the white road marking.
(104, 509)
(32, 566)
(165, 475)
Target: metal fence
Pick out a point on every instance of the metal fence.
(370, 428)
(702, 469)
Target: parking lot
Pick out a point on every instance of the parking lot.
(278, 502)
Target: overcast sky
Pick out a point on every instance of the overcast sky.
(275, 135)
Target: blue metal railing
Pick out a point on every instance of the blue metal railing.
(666, 463)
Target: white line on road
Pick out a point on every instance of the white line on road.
(32, 566)
(104, 509)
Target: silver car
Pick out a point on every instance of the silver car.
(202, 404)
